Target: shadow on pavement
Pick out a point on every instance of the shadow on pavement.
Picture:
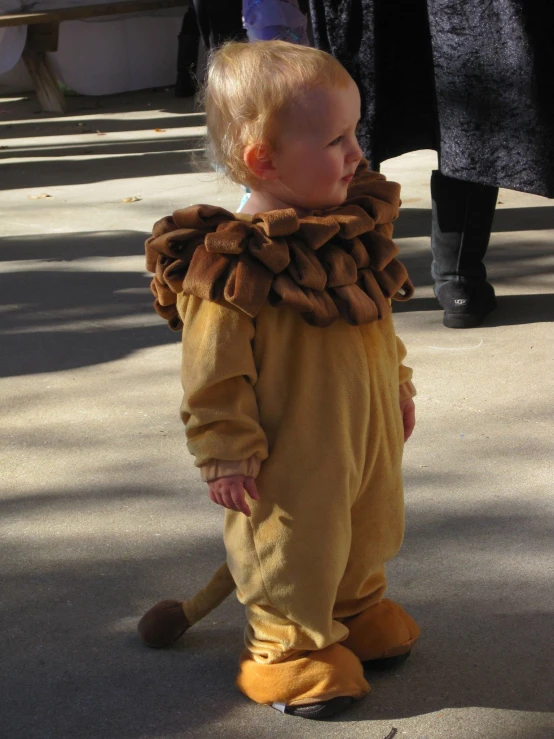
(101, 148)
(94, 121)
(511, 310)
(417, 221)
(20, 112)
(73, 666)
(154, 154)
(42, 174)
(66, 305)
(70, 308)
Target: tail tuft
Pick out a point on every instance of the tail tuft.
(163, 624)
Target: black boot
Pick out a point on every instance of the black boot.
(461, 227)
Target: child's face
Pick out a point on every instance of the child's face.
(317, 151)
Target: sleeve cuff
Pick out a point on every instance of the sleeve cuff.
(224, 468)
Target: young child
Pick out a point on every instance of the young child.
(296, 402)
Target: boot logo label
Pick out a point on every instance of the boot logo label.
(460, 301)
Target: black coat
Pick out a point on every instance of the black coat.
(473, 79)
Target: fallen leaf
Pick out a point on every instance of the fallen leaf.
(39, 197)
(159, 130)
(132, 199)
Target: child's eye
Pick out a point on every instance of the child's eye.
(336, 141)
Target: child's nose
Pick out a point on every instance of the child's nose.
(355, 151)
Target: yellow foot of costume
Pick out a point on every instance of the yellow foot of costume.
(382, 635)
(314, 685)
(163, 624)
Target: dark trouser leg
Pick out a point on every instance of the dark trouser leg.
(461, 225)
(187, 54)
(219, 21)
(214, 23)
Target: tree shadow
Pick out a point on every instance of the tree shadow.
(185, 159)
(151, 155)
(112, 148)
(73, 665)
(67, 302)
(72, 308)
(21, 116)
(511, 310)
(94, 121)
(416, 222)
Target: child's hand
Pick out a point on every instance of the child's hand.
(407, 408)
(230, 492)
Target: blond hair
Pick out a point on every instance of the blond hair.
(249, 86)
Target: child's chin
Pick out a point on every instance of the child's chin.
(332, 201)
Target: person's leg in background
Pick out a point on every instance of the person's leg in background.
(219, 21)
(214, 24)
(462, 215)
(187, 55)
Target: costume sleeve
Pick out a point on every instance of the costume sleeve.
(407, 389)
(219, 407)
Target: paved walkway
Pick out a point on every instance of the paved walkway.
(102, 514)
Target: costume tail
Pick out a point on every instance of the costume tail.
(168, 620)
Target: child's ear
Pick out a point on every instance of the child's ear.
(259, 160)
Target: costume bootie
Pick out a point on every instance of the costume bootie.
(316, 684)
(382, 636)
(462, 214)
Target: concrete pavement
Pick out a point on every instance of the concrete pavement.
(102, 513)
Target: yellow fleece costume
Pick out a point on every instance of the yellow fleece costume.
(292, 374)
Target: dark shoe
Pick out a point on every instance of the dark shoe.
(386, 663)
(465, 304)
(319, 711)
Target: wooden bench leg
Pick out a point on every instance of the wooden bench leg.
(39, 41)
(49, 95)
